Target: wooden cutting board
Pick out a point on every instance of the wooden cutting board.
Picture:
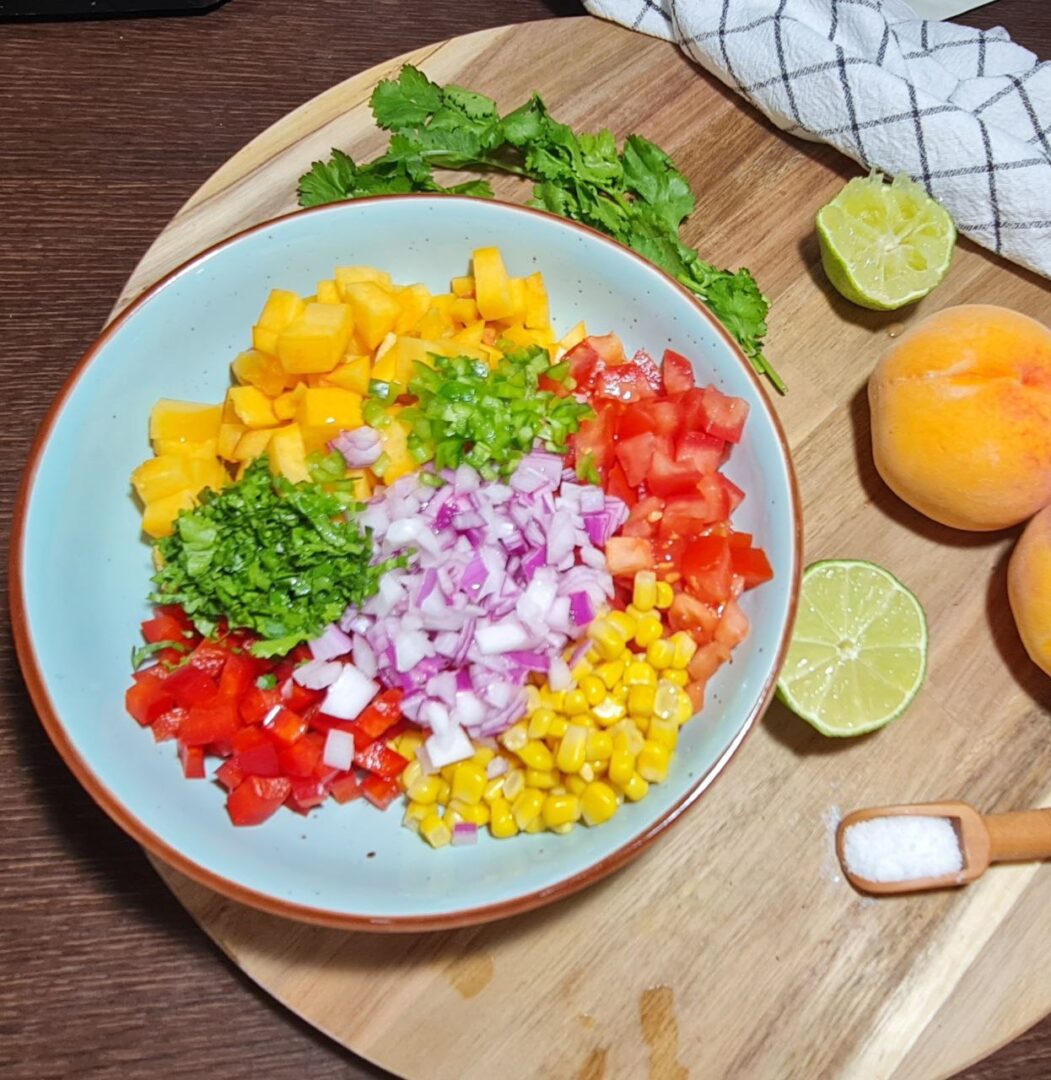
(732, 947)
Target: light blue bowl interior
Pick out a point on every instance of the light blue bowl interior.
(86, 567)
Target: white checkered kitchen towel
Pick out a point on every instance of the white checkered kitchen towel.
(965, 112)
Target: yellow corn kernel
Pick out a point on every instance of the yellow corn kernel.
(624, 623)
(610, 673)
(533, 699)
(515, 737)
(560, 725)
(575, 785)
(562, 830)
(415, 813)
(608, 640)
(527, 807)
(537, 778)
(501, 821)
(652, 762)
(592, 656)
(685, 647)
(639, 673)
(648, 629)
(435, 831)
(587, 771)
(598, 747)
(663, 732)
(483, 755)
(660, 653)
(582, 670)
(561, 810)
(410, 744)
(626, 736)
(468, 784)
(676, 676)
(621, 765)
(620, 693)
(599, 768)
(514, 782)
(494, 789)
(635, 788)
(644, 590)
(684, 711)
(640, 701)
(555, 700)
(572, 749)
(593, 689)
(425, 789)
(535, 826)
(598, 803)
(444, 791)
(536, 755)
(666, 703)
(447, 773)
(452, 816)
(540, 723)
(575, 703)
(609, 711)
(665, 595)
(472, 813)
(410, 774)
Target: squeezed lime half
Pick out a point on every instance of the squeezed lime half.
(858, 652)
(885, 244)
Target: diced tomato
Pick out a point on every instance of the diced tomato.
(609, 347)
(285, 725)
(657, 415)
(552, 386)
(190, 686)
(724, 416)
(381, 793)
(701, 450)
(306, 793)
(706, 568)
(650, 370)
(256, 798)
(690, 515)
(344, 787)
(302, 757)
(733, 626)
(166, 726)
(751, 564)
(229, 775)
(209, 723)
(149, 695)
(383, 712)
(692, 615)
(256, 705)
(695, 690)
(635, 455)
(588, 360)
(739, 539)
(192, 758)
(380, 759)
(678, 372)
(667, 557)
(644, 517)
(618, 486)
(626, 555)
(625, 382)
(163, 627)
(595, 437)
(706, 661)
(256, 753)
(667, 477)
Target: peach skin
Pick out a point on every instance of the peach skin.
(1029, 588)
(961, 417)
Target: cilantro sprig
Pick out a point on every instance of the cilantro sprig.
(467, 412)
(635, 194)
(277, 558)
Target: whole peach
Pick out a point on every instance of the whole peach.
(961, 417)
(1029, 588)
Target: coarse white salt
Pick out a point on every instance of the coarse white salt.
(902, 848)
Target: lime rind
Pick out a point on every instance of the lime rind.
(858, 654)
(885, 245)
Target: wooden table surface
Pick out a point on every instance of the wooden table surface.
(105, 128)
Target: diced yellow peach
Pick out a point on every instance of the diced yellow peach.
(463, 286)
(265, 340)
(158, 519)
(434, 325)
(281, 308)
(317, 340)
(353, 374)
(328, 292)
(285, 406)
(352, 275)
(398, 363)
(363, 486)
(207, 474)
(229, 436)
(536, 306)
(520, 336)
(207, 448)
(518, 298)
(161, 476)
(573, 338)
(464, 311)
(252, 444)
(287, 454)
(184, 421)
(375, 311)
(491, 284)
(414, 301)
(394, 439)
(471, 335)
(327, 406)
(254, 409)
(255, 368)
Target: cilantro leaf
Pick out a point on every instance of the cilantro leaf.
(406, 102)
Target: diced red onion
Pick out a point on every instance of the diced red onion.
(464, 834)
(317, 674)
(339, 750)
(448, 748)
(349, 694)
(559, 676)
(360, 447)
(581, 608)
(332, 642)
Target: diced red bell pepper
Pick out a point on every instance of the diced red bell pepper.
(209, 657)
(635, 455)
(306, 793)
(285, 725)
(380, 759)
(626, 555)
(256, 798)
(163, 627)
(205, 724)
(302, 757)
(192, 758)
(383, 712)
(256, 753)
(190, 686)
(344, 787)
(149, 695)
(256, 705)
(228, 774)
(298, 698)
(381, 793)
(678, 372)
(238, 674)
(751, 564)
(166, 726)
(706, 569)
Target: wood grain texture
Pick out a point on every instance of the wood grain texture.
(105, 129)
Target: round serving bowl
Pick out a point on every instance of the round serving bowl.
(80, 568)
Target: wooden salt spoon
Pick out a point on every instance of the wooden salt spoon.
(983, 839)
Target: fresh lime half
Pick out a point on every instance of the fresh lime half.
(884, 245)
(859, 648)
